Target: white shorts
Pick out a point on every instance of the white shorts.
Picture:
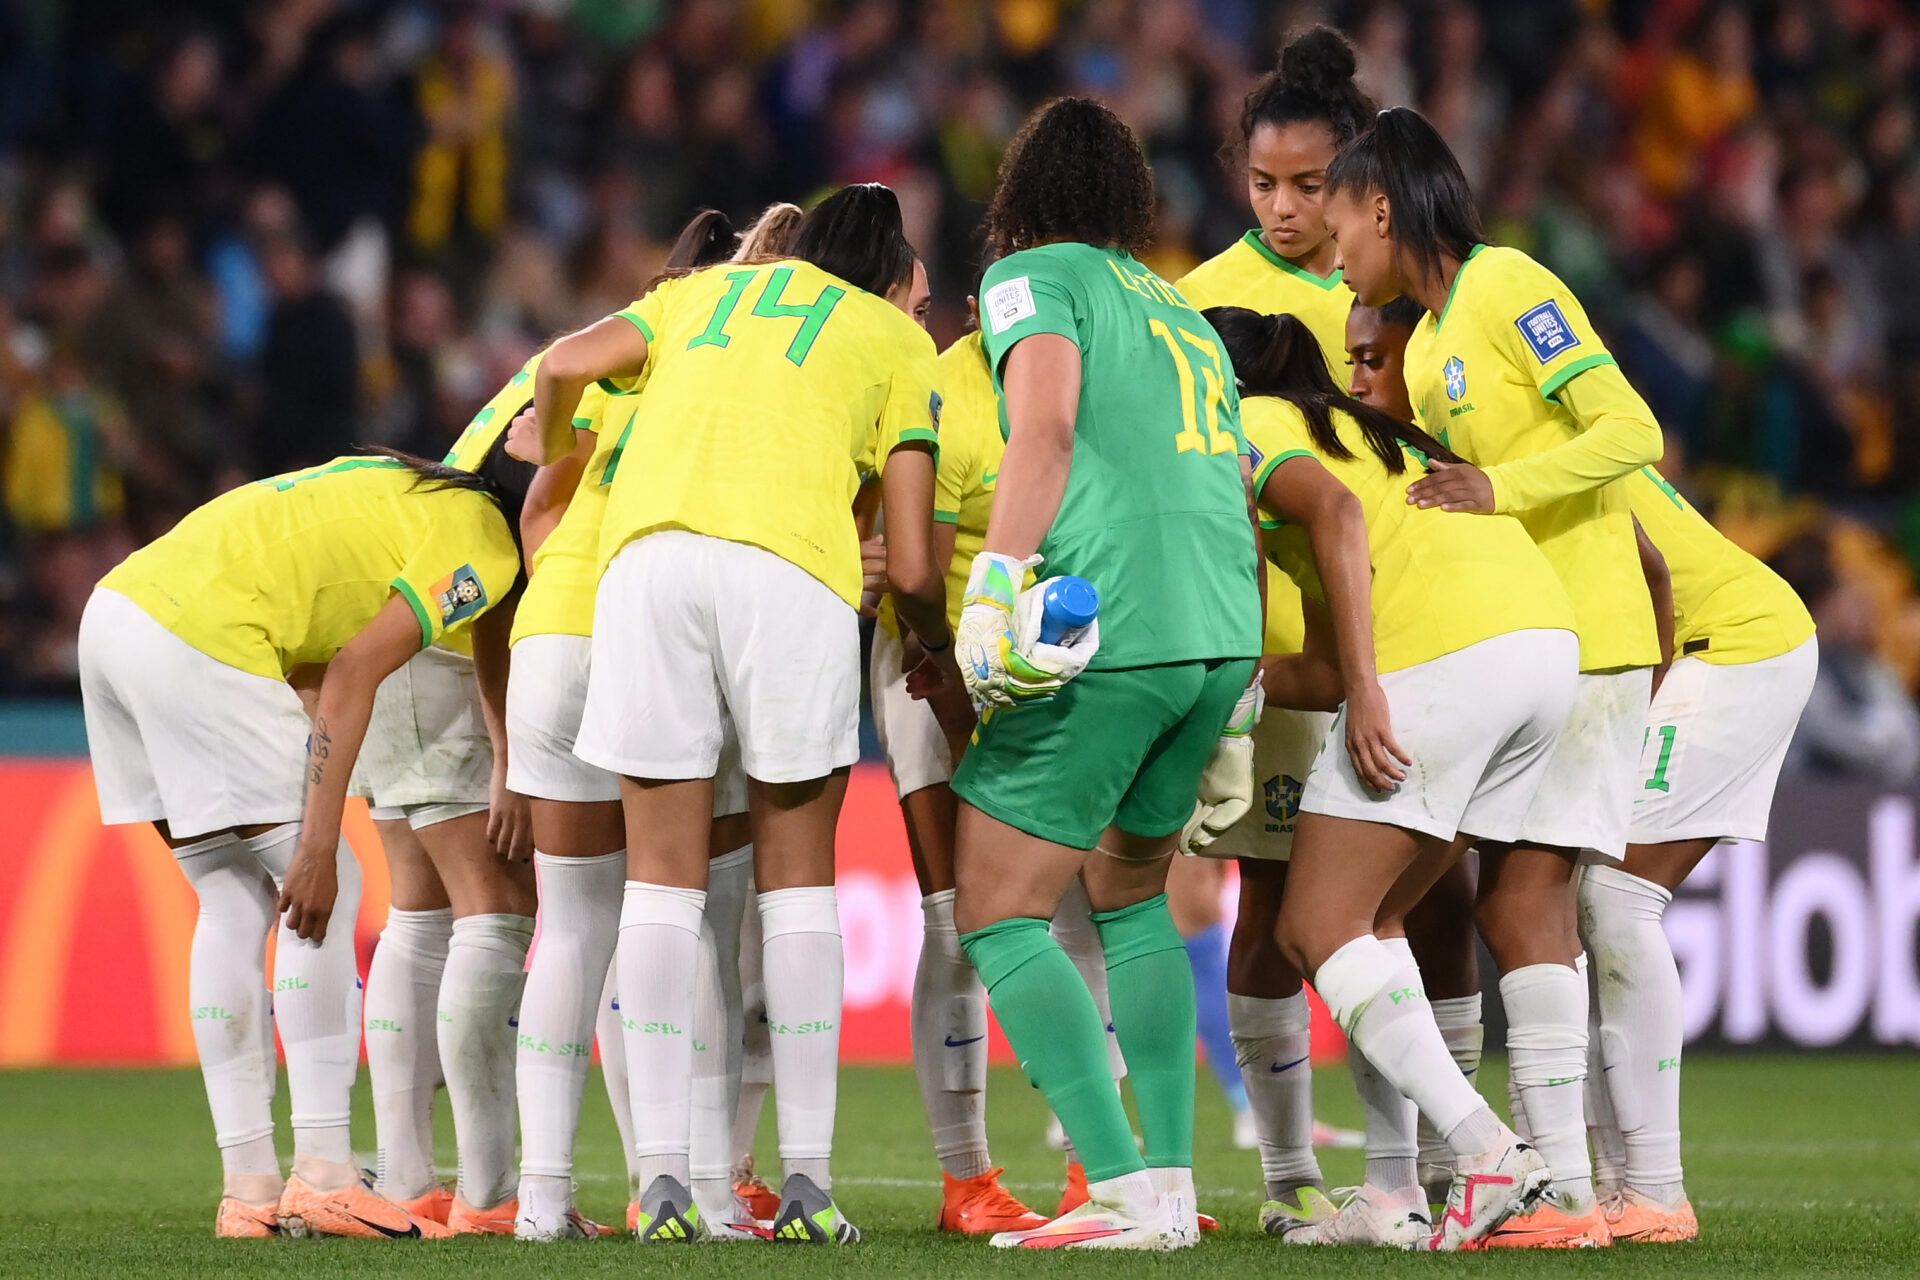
(546, 693)
(1284, 746)
(179, 737)
(917, 752)
(692, 633)
(1714, 742)
(426, 757)
(1586, 800)
(1480, 724)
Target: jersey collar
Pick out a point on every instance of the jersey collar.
(1442, 317)
(1318, 282)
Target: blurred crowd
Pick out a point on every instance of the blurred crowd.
(241, 236)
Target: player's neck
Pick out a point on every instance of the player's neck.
(1431, 289)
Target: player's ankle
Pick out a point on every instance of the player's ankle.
(324, 1175)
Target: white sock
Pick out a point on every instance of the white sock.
(729, 878)
(1461, 1027)
(1273, 1041)
(1392, 1121)
(232, 1021)
(710, 1134)
(659, 958)
(1547, 1051)
(1640, 1020)
(950, 1043)
(403, 1044)
(756, 1043)
(316, 1005)
(572, 953)
(1377, 999)
(611, 1036)
(479, 1001)
(1079, 937)
(1603, 1127)
(805, 976)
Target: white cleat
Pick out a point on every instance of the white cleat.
(534, 1228)
(737, 1225)
(1183, 1208)
(1376, 1217)
(1097, 1226)
(1488, 1189)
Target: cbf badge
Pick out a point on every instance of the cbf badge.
(459, 595)
(1455, 371)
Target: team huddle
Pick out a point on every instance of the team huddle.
(1439, 658)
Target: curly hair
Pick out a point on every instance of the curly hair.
(1075, 171)
(1313, 81)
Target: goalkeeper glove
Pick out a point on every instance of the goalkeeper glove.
(1226, 787)
(998, 642)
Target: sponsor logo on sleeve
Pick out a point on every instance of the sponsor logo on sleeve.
(459, 595)
(1010, 302)
(1254, 456)
(1546, 330)
(934, 402)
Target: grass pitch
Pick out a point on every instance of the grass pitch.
(1798, 1167)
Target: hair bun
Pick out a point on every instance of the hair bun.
(1318, 61)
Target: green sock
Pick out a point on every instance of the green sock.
(1150, 987)
(1053, 1026)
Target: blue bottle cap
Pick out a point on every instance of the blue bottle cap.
(1073, 602)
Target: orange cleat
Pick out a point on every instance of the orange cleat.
(1640, 1219)
(981, 1206)
(434, 1206)
(238, 1220)
(762, 1199)
(1550, 1227)
(1076, 1193)
(1208, 1222)
(356, 1210)
(465, 1220)
(633, 1217)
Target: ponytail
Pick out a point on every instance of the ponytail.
(1404, 158)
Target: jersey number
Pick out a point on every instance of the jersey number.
(1190, 439)
(771, 305)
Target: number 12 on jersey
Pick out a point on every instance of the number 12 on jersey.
(771, 305)
(1190, 438)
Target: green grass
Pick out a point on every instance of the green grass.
(1798, 1166)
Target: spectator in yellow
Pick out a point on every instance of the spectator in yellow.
(466, 98)
(64, 453)
(1699, 95)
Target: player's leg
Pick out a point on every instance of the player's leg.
(718, 1026)
(1445, 946)
(756, 1064)
(1194, 886)
(401, 1025)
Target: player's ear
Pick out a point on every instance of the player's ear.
(1382, 215)
(973, 310)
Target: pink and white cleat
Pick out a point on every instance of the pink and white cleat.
(1488, 1189)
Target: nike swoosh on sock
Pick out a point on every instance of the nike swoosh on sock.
(1278, 1067)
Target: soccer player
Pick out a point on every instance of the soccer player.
(1292, 123)
(1472, 638)
(1743, 659)
(1506, 371)
(1115, 398)
(185, 653)
(729, 596)
(578, 828)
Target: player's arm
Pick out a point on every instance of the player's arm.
(1653, 566)
(612, 348)
(340, 716)
(552, 489)
(509, 816)
(1040, 382)
(1308, 680)
(914, 575)
(1305, 493)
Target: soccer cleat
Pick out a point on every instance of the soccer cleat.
(667, 1214)
(1175, 1188)
(1377, 1217)
(808, 1215)
(981, 1206)
(1097, 1226)
(1278, 1218)
(1075, 1193)
(572, 1225)
(238, 1220)
(465, 1220)
(356, 1210)
(1326, 1135)
(763, 1202)
(1548, 1226)
(1490, 1188)
(434, 1206)
(1634, 1218)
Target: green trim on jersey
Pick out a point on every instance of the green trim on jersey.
(1267, 467)
(646, 330)
(1441, 319)
(1550, 389)
(420, 613)
(1319, 282)
(946, 517)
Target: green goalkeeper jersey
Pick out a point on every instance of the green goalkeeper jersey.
(1155, 511)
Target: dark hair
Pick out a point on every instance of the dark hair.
(1279, 356)
(1404, 157)
(707, 238)
(1402, 311)
(857, 234)
(1073, 172)
(1314, 81)
(500, 476)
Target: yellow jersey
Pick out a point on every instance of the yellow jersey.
(1249, 274)
(1484, 376)
(1441, 580)
(1728, 607)
(565, 573)
(772, 389)
(287, 570)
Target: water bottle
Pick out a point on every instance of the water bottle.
(1067, 606)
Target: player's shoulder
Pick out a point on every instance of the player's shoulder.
(965, 359)
(1503, 275)
(1213, 281)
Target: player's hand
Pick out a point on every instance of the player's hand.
(998, 644)
(509, 820)
(873, 574)
(307, 894)
(1453, 486)
(1226, 788)
(523, 438)
(1377, 756)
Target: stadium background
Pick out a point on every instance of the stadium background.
(238, 236)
